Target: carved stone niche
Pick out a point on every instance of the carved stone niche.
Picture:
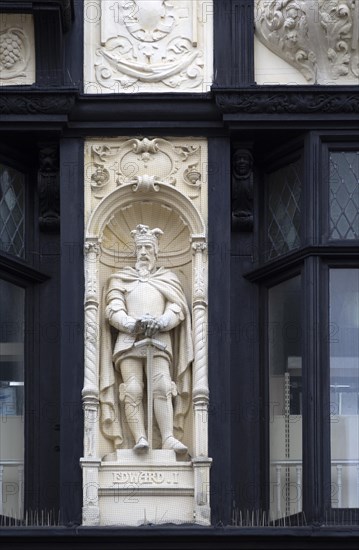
(145, 185)
(307, 42)
(148, 46)
(17, 49)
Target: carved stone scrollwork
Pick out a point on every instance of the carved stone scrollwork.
(145, 163)
(49, 187)
(242, 190)
(146, 183)
(319, 38)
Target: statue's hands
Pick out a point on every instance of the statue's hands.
(150, 325)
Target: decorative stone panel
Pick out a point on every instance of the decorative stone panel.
(17, 49)
(148, 46)
(146, 186)
(307, 42)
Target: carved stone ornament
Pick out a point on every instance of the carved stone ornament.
(145, 393)
(148, 46)
(320, 38)
(17, 52)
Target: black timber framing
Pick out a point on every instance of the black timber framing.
(72, 324)
(219, 375)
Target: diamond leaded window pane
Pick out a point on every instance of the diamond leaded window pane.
(12, 212)
(284, 193)
(344, 195)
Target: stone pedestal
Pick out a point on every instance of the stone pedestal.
(139, 489)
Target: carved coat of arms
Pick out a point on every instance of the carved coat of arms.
(149, 43)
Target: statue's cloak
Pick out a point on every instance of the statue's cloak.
(168, 284)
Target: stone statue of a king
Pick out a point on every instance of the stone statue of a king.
(146, 303)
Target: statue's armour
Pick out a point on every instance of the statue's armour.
(142, 298)
(138, 298)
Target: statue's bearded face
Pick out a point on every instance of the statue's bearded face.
(146, 257)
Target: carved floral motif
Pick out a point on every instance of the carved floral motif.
(319, 38)
(14, 53)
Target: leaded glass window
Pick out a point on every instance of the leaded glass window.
(12, 211)
(283, 214)
(344, 195)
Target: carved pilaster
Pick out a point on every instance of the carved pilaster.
(242, 190)
(92, 251)
(200, 375)
(200, 370)
(49, 187)
(90, 463)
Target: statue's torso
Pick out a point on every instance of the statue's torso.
(141, 298)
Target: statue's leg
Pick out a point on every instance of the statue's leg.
(162, 401)
(132, 375)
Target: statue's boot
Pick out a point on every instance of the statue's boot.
(141, 445)
(164, 416)
(135, 420)
(172, 443)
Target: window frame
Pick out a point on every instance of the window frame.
(316, 255)
(24, 272)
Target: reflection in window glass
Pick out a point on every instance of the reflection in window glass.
(285, 398)
(344, 195)
(344, 386)
(284, 195)
(12, 198)
(12, 304)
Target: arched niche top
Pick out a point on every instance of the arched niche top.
(158, 196)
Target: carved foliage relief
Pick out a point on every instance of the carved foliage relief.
(148, 46)
(320, 38)
(17, 49)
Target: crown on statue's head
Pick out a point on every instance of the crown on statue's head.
(143, 234)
